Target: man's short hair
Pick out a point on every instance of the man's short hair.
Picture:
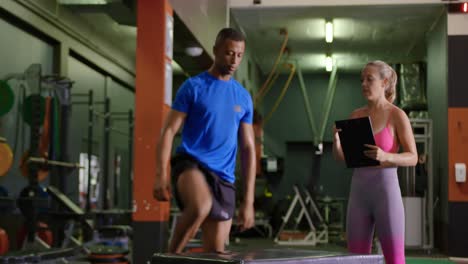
(228, 33)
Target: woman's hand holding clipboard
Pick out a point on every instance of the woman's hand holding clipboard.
(357, 141)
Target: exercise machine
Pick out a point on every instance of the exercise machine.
(302, 206)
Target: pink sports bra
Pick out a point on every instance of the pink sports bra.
(385, 140)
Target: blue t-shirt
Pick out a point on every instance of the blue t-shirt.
(215, 109)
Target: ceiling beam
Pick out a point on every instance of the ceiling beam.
(304, 3)
(121, 11)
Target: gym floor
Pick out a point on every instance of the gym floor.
(412, 256)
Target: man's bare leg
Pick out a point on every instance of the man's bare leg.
(215, 234)
(196, 197)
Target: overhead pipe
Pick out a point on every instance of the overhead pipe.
(283, 91)
(272, 81)
(262, 92)
(268, 87)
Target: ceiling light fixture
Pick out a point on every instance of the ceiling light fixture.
(329, 32)
(328, 63)
(82, 2)
(193, 51)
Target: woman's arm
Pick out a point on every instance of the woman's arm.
(337, 150)
(404, 134)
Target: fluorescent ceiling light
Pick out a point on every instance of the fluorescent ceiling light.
(328, 63)
(82, 2)
(329, 32)
(193, 51)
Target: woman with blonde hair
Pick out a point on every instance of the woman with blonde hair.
(375, 199)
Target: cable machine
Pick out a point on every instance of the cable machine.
(110, 194)
(418, 190)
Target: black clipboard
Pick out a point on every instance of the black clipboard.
(353, 135)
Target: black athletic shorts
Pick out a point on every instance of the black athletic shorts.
(222, 192)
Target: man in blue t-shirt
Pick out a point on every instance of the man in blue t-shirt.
(216, 112)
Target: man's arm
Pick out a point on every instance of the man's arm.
(247, 142)
(174, 121)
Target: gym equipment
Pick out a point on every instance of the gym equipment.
(110, 244)
(334, 216)
(42, 171)
(126, 117)
(116, 236)
(418, 189)
(43, 232)
(32, 201)
(28, 109)
(272, 168)
(3, 192)
(308, 208)
(61, 111)
(107, 254)
(43, 148)
(44, 163)
(6, 157)
(46, 256)
(7, 204)
(412, 85)
(4, 242)
(7, 98)
(108, 117)
(55, 163)
(268, 256)
(73, 213)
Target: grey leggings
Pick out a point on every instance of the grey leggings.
(375, 201)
